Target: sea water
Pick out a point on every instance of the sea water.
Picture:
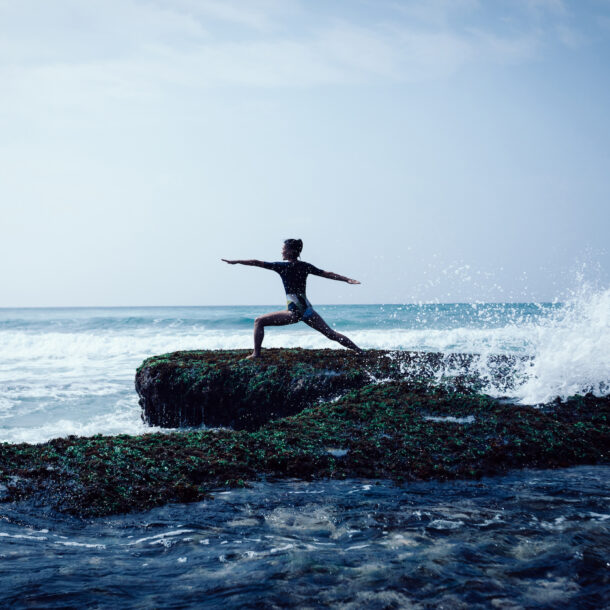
(527, 539)
(530, 539)
(71, 371)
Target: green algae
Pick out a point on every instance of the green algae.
(221, 388)
(376, 431)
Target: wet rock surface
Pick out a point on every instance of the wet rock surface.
(222, 388)
(399, 430)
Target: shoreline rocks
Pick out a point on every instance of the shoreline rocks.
(398, 430)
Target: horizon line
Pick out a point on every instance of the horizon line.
(418, 303)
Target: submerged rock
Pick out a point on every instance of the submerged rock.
(221, 388)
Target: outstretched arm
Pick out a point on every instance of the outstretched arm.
(340, 278)
(251, 262)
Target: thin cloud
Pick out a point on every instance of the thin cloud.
(75, 53)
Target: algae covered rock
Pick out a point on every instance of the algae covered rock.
(397, 430)
(222, 388)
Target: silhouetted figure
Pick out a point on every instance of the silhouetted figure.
(294, 274)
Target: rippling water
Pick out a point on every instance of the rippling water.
(531, 539)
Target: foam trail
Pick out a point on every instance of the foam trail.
(124, 418)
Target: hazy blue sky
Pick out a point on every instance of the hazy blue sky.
(455, 150)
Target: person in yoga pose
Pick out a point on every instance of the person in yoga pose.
(294, 274)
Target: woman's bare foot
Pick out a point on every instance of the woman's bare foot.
(252, 356)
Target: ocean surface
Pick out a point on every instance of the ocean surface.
(71, 371)
(530, 539)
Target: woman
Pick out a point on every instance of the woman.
(294, 276)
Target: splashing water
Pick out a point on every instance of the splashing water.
(571, 350)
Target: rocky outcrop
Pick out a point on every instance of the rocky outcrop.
(396, 430)
(410, 427)
(221, 388)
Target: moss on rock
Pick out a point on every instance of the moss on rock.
(396, 430)
(221, 388)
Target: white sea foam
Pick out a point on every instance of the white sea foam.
(161, 536)
(119, 421)
(568, 350)
(22, 536)
(571, 350)
(86, 545)
(469, 419)
(79, 351)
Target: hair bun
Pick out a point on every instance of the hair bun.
(294, 244)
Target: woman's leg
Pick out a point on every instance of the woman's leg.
(278, 318)
(317, 323)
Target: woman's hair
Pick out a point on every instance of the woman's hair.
(294, 245)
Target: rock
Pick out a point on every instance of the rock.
(402, 431)
(221, 388)
(349, 425)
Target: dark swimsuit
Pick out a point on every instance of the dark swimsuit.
(294, 276)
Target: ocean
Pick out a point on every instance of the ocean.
(71, 371)
(529, 539)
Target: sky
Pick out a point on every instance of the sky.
(435, 150)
